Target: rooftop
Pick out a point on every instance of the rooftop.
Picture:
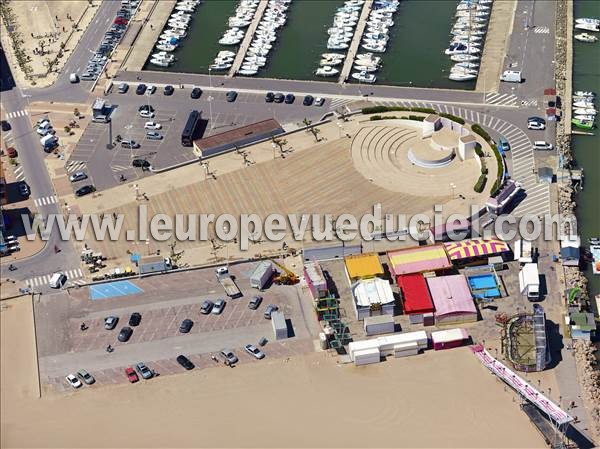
(418, 259)
(239, 134)
(363, 266)
(451, 294)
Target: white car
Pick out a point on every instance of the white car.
(218, 307)
(73, 381)
(146, 114)
(542, 145)
(152, 125)
(319, 101)
(254, 352)
(150, 90)
(536, 125)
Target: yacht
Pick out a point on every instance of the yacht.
(364, 77)
(585, 37)
(464, 58)
(581, 93)
(584, 111)
(460, 76)
(588, 20)
(165, 46)
(467, 65)
(583, 104)
(327, 71)
(588, 26)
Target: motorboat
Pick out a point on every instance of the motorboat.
(248, 72)
(178, 25)
(369, 68)
(587, 26)
(164, 55)
(327, 71)
(464, 70)
(330, 62)
(220, 66)
(585, 37)
(336, 45)
(583, 124)
(160, 62)
(370, 57)
(585, 117)
(464, 58)
(375, 47)
(582, 93)
(333, 56)
(459, 76)
(364, 77)
(336, 30)
(226, 54)
(583, 104)
(165, 47)
(584, 111)
(588, 20)
(457, 48)
(467, 65)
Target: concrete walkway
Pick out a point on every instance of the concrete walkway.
(360, 29)
(239, 58)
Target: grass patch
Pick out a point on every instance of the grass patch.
(480, 184)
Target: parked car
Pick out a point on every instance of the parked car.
(542, 145)
(536, 126)
(131, 144)
(278, 98)
(503, 144)
(135, 319)
(196, 92)
(308, 100)
(85, 190)
(86, 377)
(254, 303)
(144, 371)
(73, 381)
(269, 97)
(290, 98)
(254, 352)
(319, 101)
(231, 96)
(206, 307)
(269, 310)
(185, 362)
(218, 307)
(11, 152)
(78, 176)
(168, 90)
(186, 326)
(536, 119)
(153, 135)
(5, 125)
(143, 163)
(229, 356)
(150, 90)
(140, 89)
(146, 107)
(152, 125)
(125, 334)
(131, 375)
(110, 322)
(146, 114)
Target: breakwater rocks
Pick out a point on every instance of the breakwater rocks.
(589, 377)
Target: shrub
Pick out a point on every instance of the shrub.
(374, 109)
(68, 129)
(416, 117)
(379, 117)
(423, 110)
(478, 150)
(454, 118)
(480, 184)
(482, 132)
(500, 171)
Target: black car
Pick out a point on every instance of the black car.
(289, 98)
(125, 334)
(186, 326)
(196, 92)
(185, 362)
(146, 107)
(5, 125)
(134, 319)
(278, 98)
(308, 100)
(169, 90)
(140, 89)
(231, 96)
(537, 120)
(143, 163)
(85, 190)
(269, 97)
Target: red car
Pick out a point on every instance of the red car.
(131, 375)
(120, 21)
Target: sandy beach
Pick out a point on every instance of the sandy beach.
(438, 399)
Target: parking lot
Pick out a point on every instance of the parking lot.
(164, 302)
(106, 166)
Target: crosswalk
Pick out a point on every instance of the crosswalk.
(501, 99)
(19, 175)
(530, 102)
(14, 114)
(73, 166)
(73, 277)
(44, 201)
(541, 30)
(337, 103)
(119, 168)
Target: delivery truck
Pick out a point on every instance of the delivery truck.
(262, 274)
(529, 281)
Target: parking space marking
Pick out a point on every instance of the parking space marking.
(113, 289)
(73, 166)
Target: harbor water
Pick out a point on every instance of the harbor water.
(586, 76)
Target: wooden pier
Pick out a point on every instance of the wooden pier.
(353, 49)
(239, 58)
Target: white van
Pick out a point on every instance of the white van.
(542, 145)
(74, 78)
(511, 76)
(57, 280)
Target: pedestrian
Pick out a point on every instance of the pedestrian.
(151, 27)
(63, 29)
(31, 34)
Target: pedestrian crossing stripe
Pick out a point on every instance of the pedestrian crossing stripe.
(44, 201)
(72, 275)
(541, 30)
(19, 175)
(118, 168)
(73, 166)
(15, 114)
(500, 99)
(337, 102)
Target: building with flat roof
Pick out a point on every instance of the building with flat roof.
(229, 140)
(362, 266)
(315, 280)
(372, 297)
(468, 250)
(415, 294)
(418, 260)
(452, 299)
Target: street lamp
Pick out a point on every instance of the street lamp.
(226, 248)
(210, 99)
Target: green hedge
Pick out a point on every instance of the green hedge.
(454, 118)
(482, 132)
(480, 184)
(498, 184)
(380, 109)
(416, 117)
(478, 150)
(423, 110)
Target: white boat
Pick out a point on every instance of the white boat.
(583, 104)
(467, 65)
(369, 68)
(326, 71)
(369, 57)
(463, 70)
(377, 48)
(166, 47)
(588, 20)
(337, 45)
(582, 93)
(178, 25)
(220, 66)
(364, 77)
(247, 72)
(584, 111)
(160, 62)
(585, 37)
(461, 48)
(585, 117)
(587, 26)
(164, 55)
(458, 76)
(464, 58)
(226, 54)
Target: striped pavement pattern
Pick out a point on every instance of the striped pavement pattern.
(19, 175)
(537, 200)
(14, 114)
(74, 276)
(44, 201)
(118, 168)
(541, 30)
(501, 99)
(73, 166)
(339, 102)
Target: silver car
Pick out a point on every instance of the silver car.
(254, 352)
(229, 356)
(218, 307)
(144, 371)
(78, 176)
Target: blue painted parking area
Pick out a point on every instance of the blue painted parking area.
(113, 289)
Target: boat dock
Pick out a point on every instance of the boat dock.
(241, 54)
(567, 106)
(353, 49)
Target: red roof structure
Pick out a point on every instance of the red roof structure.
(415, 294)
